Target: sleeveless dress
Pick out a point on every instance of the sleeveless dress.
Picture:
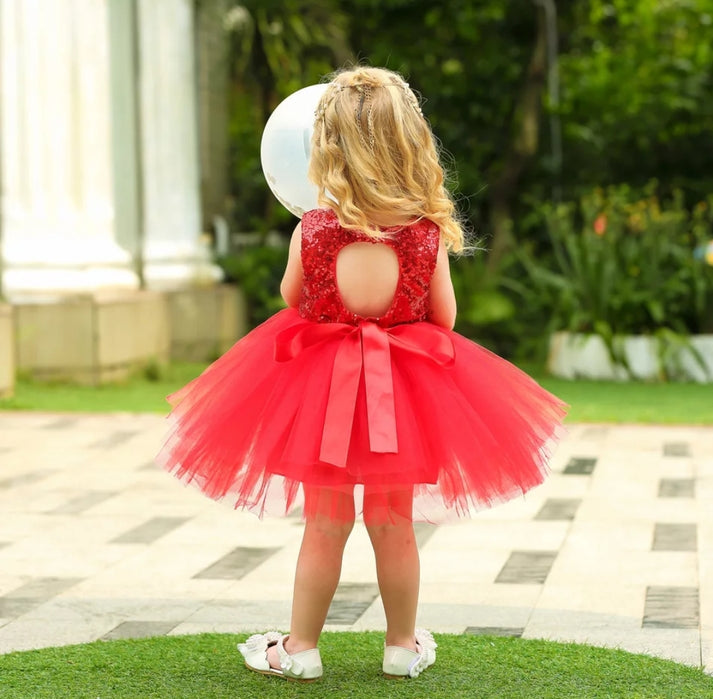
(321, 396)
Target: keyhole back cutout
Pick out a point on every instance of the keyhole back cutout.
(367, 276)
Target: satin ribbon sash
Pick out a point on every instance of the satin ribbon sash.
(365, 347)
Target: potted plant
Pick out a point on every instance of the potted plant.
(629, 286)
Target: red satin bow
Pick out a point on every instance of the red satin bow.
(366, 347)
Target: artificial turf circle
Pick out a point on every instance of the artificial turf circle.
(208, 666)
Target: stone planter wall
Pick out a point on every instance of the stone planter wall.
(205, 322)
(93, 339)
(7, 351)
(574, 355)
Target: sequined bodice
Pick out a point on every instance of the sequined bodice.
(416, 247)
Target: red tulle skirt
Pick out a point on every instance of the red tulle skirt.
(326, 407)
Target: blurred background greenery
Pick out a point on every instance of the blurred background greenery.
(586, 179)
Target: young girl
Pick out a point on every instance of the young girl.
(362, 382)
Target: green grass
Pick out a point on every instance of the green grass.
(208, 666)
(138, 395)
(590, 401)
(609, 401)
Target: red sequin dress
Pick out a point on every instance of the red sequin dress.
(321, 396)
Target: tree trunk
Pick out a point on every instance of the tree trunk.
(523, 146)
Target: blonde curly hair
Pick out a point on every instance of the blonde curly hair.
(373, 153)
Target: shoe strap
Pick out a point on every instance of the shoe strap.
(287, 661)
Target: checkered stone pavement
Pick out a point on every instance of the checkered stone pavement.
(615, 549)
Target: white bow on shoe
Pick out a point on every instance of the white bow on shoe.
(401, 662)
(305, 666)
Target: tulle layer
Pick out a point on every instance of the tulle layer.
(408, 409)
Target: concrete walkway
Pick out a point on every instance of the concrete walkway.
(616, 549)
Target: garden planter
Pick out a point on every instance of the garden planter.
(206, 321)
(574, 355)
(92, 338)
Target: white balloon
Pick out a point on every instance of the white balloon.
(285, 149)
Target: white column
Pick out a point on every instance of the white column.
(57, 192)
(174, 254)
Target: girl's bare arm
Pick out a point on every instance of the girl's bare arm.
(291, 284)
(442, 298)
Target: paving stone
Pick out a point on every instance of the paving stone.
(527, 567)
(13, 607)
(594, 433)
(705, 585)
(350, 601)
(675, 537)
(241, 615)
(457, 566)
(24, 479)
(576, 565)
(458, 617)
(568, 486)
(42, 588)
(295, 515)
(671, 607)
(580, 466)
(450, 618)
(500, 536)
(510, 632)
(624, 510)
(150, 530)
(113, 439)
(677, 488)
(237, 563)
(140, 629)
(26, 634)
(707, 650)
(559, 509)
(601, 537)
(83, 502)
(679, 645)
(62, 423)
(423, 532)
(490, 594)
(676, 449)
(594, 521)
(111, 612)
(194, 627)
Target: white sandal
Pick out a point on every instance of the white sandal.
(305, 666)
(401, 662)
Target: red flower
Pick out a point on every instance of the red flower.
(600, 224)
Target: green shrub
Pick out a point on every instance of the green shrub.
(621, 263)
(487, 311)
(258, 271)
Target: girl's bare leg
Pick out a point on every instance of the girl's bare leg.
(319, 565)
(387, 517)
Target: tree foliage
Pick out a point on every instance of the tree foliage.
(637, 103)
(276, 48)
(469, 61)
(636, 97)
